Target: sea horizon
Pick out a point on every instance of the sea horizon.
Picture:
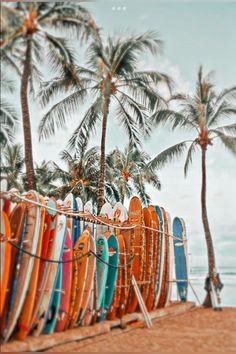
(228, 278)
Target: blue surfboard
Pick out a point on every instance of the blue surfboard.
(76, 232)
(180, 260)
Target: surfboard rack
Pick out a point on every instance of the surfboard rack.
(142, 305)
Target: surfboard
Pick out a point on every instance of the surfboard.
(5, 204)
(148, 270)
(180, 260)
(46, 302)
(88, 281)
(119, 212)
(76, 232)
(66, 284)
(165, 275)
(101, 269)
(117, 308)
(27, 309)
(26, 264)
(161, 253)
(80, 209)
(137, 248)
(156, 240)
(48, 245)
(5, 253)
(113, 260)
(171, 258)
(55, 305)
(82, 246)
(185, 245)
(17, 224)
(90, 311)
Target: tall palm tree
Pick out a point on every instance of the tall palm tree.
(202, 113)
(12, 164)
(24, 38)
(112, 80)
(8, 114)
(130, 173)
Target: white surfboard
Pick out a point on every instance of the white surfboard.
(171, 258)
(58, 247)
(120, 212)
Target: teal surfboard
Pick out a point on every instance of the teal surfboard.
(101, 269)
(113, 249)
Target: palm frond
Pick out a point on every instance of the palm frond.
(167, 155)
(128, 124)
(228, 141)
(230, 129)
(87, 125)
(60, 112)
(189, 158)
(126, 58)
(224, 110)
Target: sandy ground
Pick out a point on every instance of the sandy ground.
(197, 330)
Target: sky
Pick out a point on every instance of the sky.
(194, 33)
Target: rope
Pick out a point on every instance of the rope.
(72, 259)
(97, 219)
(111, 265)
(48, 259)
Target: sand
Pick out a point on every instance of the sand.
(197, 330)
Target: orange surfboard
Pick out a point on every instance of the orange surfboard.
(149, 253)
(151, 292)
(137, 248)
(81, 247)
(89, 280)
(16, 223)
(27, 310)
(5, 257)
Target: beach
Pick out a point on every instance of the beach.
(195, 331)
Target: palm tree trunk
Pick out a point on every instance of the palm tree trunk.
(26, 116)
(208, 237)
(101, 177)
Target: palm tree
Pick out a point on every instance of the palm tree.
(8, 114)
(12, 164)
(129, 173)
(45, 177)
(112, 80)
(202, 113)
(24, 38)
(81, 174)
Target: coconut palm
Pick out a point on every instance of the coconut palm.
(45, 177)
(203, 113)
(26, 42)
(8, 114)
(12, 164)
(81, 174)
(130, 173)
(113, 81)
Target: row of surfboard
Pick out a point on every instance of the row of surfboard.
(58, 272)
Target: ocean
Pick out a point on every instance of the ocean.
(197, 279)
